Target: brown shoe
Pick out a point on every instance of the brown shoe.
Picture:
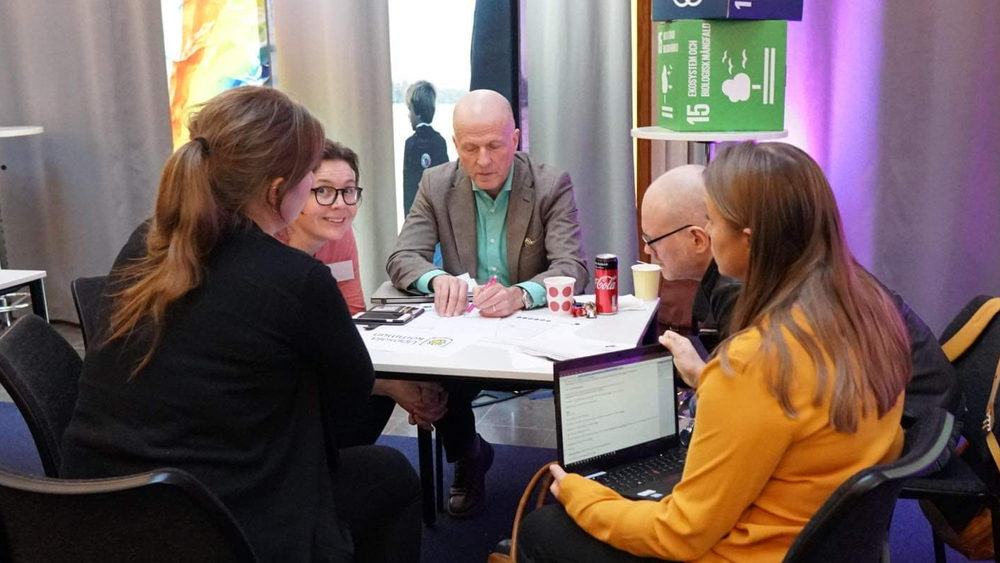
(468, 491)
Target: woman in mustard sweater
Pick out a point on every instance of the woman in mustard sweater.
(805, 393)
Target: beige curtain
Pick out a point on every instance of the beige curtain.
(334, 58)
(91, 72)
(578, 70)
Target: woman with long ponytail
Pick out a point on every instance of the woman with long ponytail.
(226, 354)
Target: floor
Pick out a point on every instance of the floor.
(527, 420)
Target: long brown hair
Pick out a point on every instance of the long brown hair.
(798, 259)
(241, 141)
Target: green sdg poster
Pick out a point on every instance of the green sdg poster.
(721, 75)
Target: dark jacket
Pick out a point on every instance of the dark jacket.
(713, 307)
(255, 367)
(934, 382)
(424, 149)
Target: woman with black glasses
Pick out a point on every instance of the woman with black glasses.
(324, 227)
(324, 230)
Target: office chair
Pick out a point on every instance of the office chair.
(40, 371)
(91, 305)
(161, 516)
(853, 524)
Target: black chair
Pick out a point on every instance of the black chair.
(853, 524)
(165, 515)
(957, 487)
(91, 304)
(41, 372)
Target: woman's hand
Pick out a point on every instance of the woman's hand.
(558, 474)
(424, 401)
(686, 359)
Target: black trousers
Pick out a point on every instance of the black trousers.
(549, 535)
(377, 493)
(457, 428)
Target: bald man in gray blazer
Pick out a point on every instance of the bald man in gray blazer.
(543, 234)
(496, 213)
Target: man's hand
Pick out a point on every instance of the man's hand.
(424, 401)
(686, 359)
(451, 295)
(497, 300)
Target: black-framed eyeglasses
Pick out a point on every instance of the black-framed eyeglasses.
(328, 196)
(652, 241)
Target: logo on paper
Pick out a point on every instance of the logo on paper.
(439, 342)
(687, 3)
(425, 160)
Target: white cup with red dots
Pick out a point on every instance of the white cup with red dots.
(559, 292)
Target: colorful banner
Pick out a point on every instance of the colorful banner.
(211, 46)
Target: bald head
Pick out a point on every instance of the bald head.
(485, 138)
(676, 199)
(479, 108)
(678, 196)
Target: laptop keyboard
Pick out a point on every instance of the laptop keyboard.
(636, 474)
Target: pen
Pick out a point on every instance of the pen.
(488, 285)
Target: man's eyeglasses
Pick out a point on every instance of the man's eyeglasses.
(328, 196)
(652, 241)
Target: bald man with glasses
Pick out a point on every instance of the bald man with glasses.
(674, 217)
(673, 227)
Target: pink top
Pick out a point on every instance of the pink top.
(333, 253)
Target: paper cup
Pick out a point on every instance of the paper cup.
(559, 292)
(646, 279)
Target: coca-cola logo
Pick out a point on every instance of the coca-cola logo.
(606, 282)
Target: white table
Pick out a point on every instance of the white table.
(12, 280)
(495, 366)
(498, 364)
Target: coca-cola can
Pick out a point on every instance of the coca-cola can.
(606, 284)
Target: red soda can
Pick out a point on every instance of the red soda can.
(606, 284)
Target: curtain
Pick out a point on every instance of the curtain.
(896, 101)
(92, 72)
(493, 53)
(334, 58)
(578, 74)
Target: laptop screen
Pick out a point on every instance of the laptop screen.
(616, 402)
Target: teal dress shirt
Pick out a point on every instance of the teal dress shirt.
(491, 244)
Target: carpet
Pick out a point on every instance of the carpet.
(470, 541)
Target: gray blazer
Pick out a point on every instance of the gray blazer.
(543, 234)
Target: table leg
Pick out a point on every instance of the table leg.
(438, 471)
(38, 305)
(426, 456)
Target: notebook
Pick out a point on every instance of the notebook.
(616, 420)
(387, 294)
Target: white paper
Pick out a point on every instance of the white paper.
(469, 280)
(391, 339)
(560, 347)
(627, 302)
(521, 361)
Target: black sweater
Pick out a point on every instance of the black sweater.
(255, 368)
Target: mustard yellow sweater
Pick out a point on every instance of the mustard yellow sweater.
(753, 476)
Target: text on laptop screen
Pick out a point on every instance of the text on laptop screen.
(607, 410)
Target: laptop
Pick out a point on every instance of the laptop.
(616, 420)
